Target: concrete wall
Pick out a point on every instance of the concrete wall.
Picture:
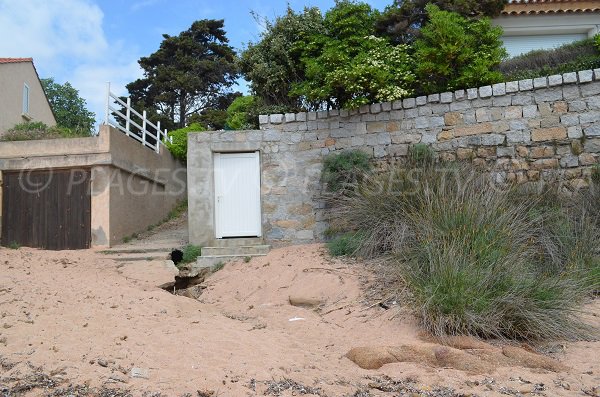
(12, 78)
(521, 131)
(132, 186)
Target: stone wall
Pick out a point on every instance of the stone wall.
(521, 131)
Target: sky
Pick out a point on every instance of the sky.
(91, 42)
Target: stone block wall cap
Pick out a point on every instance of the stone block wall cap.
(570, 77)
(498, 89)
(585, 76)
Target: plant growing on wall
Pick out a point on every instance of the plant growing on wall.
(341, 169)
(178, 147)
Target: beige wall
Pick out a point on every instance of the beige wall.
(132, 186)
(12, 78)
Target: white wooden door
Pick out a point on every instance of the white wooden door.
(237, 195)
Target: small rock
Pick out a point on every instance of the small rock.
(305, 302)
(102, 362)
(142, 373)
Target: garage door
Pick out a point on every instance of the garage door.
(517, 45)
(48, 209)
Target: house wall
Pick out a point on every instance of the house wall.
(529, 130)
(12, 78)
(132, 186)
(524, 33)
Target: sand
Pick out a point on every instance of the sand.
(88, 320)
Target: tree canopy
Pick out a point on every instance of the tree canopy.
(347, 65)
(69, 108)
(403, 19)
(187, 74)
(273, 65)
(454, 53)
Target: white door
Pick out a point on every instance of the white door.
(237, 195)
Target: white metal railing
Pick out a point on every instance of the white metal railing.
(148, 133)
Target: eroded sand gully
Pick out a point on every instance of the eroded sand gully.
(91, 321)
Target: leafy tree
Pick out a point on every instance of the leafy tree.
(215, 118)
(402, 20)
(454, 52)
(187, 74)
(69, 108)
(347, 65)
(272, 65)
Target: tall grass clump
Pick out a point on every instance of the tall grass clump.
(476, 258)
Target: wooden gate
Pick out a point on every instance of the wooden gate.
(49, 209)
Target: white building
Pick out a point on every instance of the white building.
(543, 24)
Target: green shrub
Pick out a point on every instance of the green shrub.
(477, 259)
(37, 130)
(421, 154)
(455, 52)
(595, 175)
(344, 168)
(347, 244)
(178, 147)
(597, 41)
(14, 245)
(571, 57)
(191, 253)
(238, 113)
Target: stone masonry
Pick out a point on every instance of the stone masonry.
(528, 130)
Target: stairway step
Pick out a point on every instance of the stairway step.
(235, 242)
(212, 260)
(140, 249)
(133, 257)
(242, 250)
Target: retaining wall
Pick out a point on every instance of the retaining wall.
(528, 130)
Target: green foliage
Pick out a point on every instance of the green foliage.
(597, 41)
(272, 65)
(402, 20)
(239, 113)
(346, 65)
(571, 57)
(476, 259)
(347, 244)
(178, 147)
(14, 245)
(454, 52)
(421, 155)
(177, 211)
(191, 253)
(217, 267)
(37, 130)
(189, 73)
(69, 108)
(595, 176)
(340, 170)
(215, 118)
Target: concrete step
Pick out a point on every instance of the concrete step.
(139, 256)
(242, 250)
(234, 242)
(140, 249)
(213, 260)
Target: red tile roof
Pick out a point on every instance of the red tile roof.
(523, 7)
(15, 60)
